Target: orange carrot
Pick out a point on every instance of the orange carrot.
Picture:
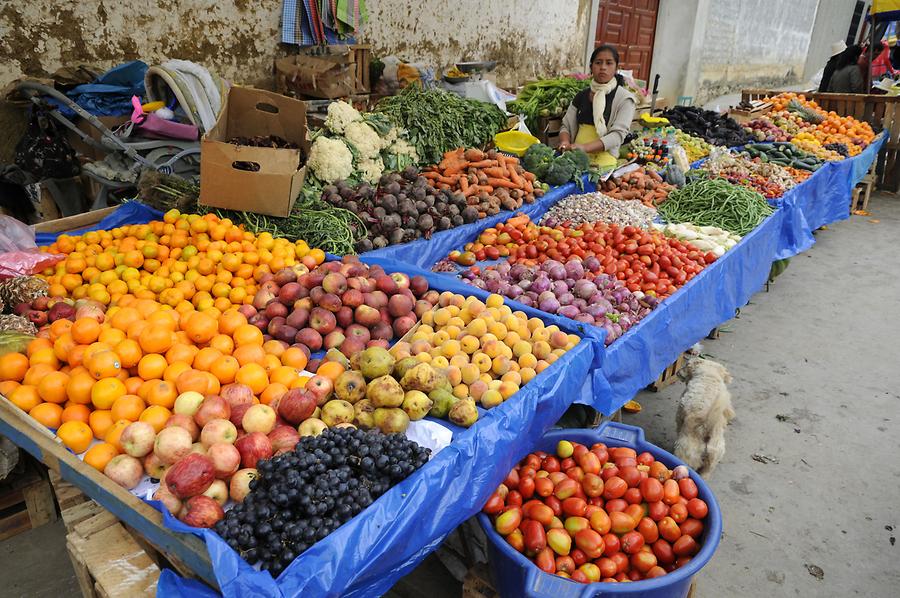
(464, 184)
(455, 168)
(510, 159)
(529, 176)
(496, 172)
(502, 183)
(483, 164)
(514, 176)
(431, 175)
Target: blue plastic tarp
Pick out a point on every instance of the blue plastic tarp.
(822, 199)
(424, 253)
(371, 552)
(110, 94)
(131, 212)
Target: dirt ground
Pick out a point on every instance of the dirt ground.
(810, 481)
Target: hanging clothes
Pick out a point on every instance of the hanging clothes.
(318, 22)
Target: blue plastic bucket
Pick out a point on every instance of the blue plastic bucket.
(515, 575)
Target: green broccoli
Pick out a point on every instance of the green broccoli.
(560, 172)
(579, 159)
(537, 158)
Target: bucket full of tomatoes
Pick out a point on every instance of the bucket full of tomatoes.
(591, 509)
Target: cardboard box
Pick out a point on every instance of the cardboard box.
(326, 77)
(278, 175)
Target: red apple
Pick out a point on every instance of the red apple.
(169, 500)
(320, 388)
(283, 439)
(212, 407)
(172, 444)
(239, 487)
(201, 511)
(253, 447)
(236, 394)
(137, 439)
(184, 421)
(296, 405)
(225, 458)
(124, 470)
(237, 414)
(191, 476)
(218, 491)
(259, 418)
(218, 430)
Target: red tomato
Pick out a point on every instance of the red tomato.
(692, 527)
(678, 512)
(647, 528)
(697, 508)
(688, 488)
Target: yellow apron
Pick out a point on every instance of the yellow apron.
(588, 134)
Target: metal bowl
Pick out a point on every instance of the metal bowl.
(476, 67)
(456, 80)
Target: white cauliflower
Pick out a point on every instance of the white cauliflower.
(364, 138)
(371, 170)
(330, 160)
(401, 147)
(340, 114)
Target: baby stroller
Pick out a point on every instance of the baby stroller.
(167, 147)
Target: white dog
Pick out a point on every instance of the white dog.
(704, 411)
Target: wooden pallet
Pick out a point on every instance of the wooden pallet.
(76, 222)
(67, 495)
(26, 502)
(669, 375)
(108, 562)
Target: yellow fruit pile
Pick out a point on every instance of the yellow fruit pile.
(183, 260)
(489, 350)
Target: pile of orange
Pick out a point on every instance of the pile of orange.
(89, 380)
(182, 260)
(834, 128)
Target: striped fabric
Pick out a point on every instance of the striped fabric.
(314, 22)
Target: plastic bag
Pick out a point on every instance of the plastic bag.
(19, 255)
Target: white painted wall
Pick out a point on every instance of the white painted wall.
(832, 24)
(527, 38)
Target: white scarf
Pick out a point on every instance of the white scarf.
(600, 90)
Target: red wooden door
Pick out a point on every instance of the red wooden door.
(630, 26)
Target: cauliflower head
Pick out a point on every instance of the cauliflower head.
(364, 138)
(330, 160)
(371, 170)
(340, 114)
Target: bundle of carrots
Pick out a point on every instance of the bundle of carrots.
(490, 181)
(642, 185)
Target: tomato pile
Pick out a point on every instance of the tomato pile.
(645, 260)
(599, 514)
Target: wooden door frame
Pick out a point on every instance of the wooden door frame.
(589, 44)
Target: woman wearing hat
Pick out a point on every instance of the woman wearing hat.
(837, 48)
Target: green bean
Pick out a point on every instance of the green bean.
(716, 202)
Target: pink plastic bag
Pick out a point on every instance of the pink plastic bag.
(19, 255)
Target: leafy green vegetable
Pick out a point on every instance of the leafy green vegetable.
(547, 97)
(579, 159)
(560, 171)
(438, 121)
(537, 158)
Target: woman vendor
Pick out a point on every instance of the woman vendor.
(598, 119)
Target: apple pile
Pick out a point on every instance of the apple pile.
(600, 513)
(206, 453)
(46, 310)
(347, 305)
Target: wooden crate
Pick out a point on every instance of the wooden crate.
(742, 116)
(362, 61)
(548, 130)
(147, 521)
(26, 502)
(669, 375)
(67, 495)
(76, 222)
(108, 562)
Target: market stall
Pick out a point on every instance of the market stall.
(538, 300)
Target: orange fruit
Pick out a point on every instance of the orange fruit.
(59, 328)
(13, 366)
(191, 379)
(205, 358)
(7, 386)
(93, 349)
(270, 363)
(247, 334)
(274, 347)
(46, 356)
(201, 328)
(99, 455)
(283, 375)
(330, 369)
(225, 369)
(152, 366)
(176, 369)
(222, 343)
(156, 416)
(132, 384)
(272, 392)
(250, 354)
(213, 386)
(63, 346)
(76, 355)
(52, 387)
(129, 352)
(100, 421)
(254, 376)
(156, 338)
(25, 397)
(114, 434)
(48, 414)
(164, 318)
(38, 344)
(104, 364)
(125, 317)
(135, 329)
(78, 387)
(36, 373)
(162, 393)
(111, 336)
(76, 435)
(105, 392)
(128, 407)
(182, 352)
(85, 331)
(80, 413)
(230, 320)
(294, 357)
